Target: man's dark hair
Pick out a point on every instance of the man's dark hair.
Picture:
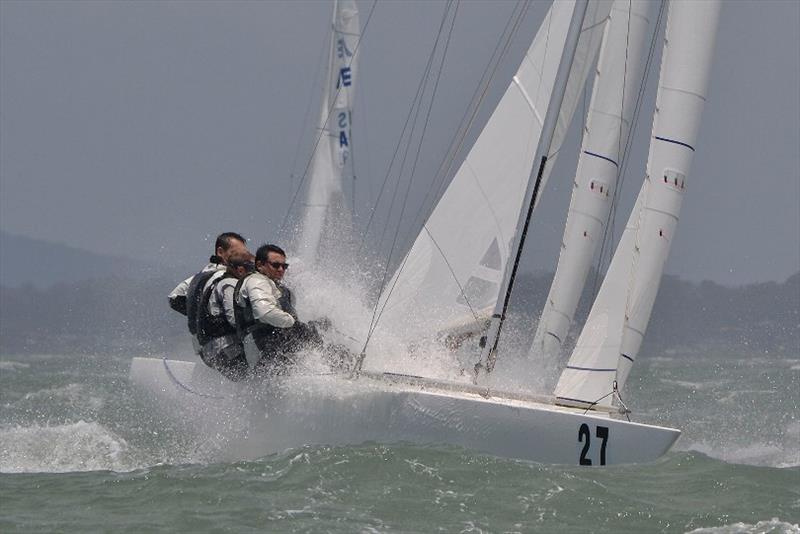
(263, 250)
(241, 261)
(224, 240)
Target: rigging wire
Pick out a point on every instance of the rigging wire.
(416, 159)
(321, 133)
(470, 115)
(608, 233)
(425, 125)
(467, 120)
(416, 108)
(311, 93)
(353, 171)
(464, 127)
(415, 103)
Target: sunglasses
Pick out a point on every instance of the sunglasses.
(278, 265)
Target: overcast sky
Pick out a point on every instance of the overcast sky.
(142, 128)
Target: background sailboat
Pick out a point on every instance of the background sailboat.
(324, 211)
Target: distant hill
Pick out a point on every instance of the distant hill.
(118, 313)
(26, 261)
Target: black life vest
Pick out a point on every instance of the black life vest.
(210, 326)
(285, 301)
(242, 323)
(193, 297)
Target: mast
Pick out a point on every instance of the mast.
(612, 336)
(620, 72)
(324, 199)
(489, 342)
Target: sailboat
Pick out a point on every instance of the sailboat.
(459, 274)
(324, 206)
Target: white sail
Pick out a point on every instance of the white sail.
(620, 70)
(456, 264)
(610, 340)
(324, 199)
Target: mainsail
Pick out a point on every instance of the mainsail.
(612, 336)
(324, 201)
(620, 70)
(455, 267)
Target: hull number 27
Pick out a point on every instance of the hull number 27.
(584, 436)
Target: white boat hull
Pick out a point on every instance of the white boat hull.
(251, 420)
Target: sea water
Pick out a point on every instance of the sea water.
(82, 451)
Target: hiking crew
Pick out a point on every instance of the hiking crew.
(220, 346)
(265, 315)
(186, 296)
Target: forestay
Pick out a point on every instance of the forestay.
(620, 70)
(453, 271)
(612, 336)
(324, 201)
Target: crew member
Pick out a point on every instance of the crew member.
(226, 244)
(186, 295)
(220, 346)
(266, 316)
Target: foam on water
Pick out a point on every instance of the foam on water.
(754, 453)
(73, 394)
(9, 365)
(80, 446)
(771, 526)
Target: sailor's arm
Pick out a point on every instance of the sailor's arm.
(177, 298)
(267, 310)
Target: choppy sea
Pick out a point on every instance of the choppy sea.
(82, 451)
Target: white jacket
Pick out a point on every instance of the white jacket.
(264, 295)
(221, 300)
(181, 289)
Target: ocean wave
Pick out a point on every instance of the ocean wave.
(702, 385)
(759, 453)
(10, 365)
(72, 394)
(66, 448)
(772, 526)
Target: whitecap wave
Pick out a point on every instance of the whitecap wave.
(10, 365)
(758, 453)
(66, 448)
(771, 526)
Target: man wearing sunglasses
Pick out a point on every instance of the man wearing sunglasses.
(266, 318)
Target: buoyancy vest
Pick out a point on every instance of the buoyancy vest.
(246, 322)
(210, 326)
(240, 312)
(286, 301)
(194, 294)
